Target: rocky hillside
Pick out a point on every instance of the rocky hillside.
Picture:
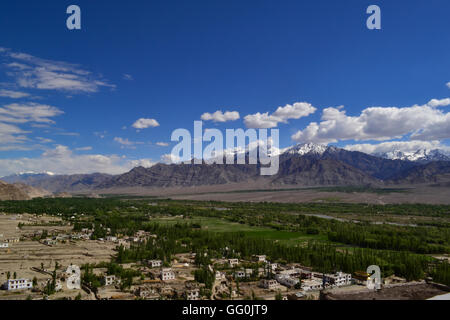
(19, 191)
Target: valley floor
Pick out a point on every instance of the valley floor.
(294, 194)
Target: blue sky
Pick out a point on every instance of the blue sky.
(69, 99)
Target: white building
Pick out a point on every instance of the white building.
(167, 274)
(193, 294)
(111, 238)
(308, 285)
(338, 279)
(260, 258)
(73, 281)
(155, 263)
(4, 245)
(109, 280)
(273, 266)
(233, 262)
(18, 284)
(269, 284)
(294, 272)
(286, 280)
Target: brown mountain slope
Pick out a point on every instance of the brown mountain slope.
(20, 191)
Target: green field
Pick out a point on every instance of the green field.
(221, 225)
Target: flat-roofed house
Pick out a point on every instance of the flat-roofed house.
(309, 285)
(154, 263)
(192, 294)
(338, 279)
(233, 262)
(269, 284)
(18, 284)
(286, 280)
(109, 280)
(167, 274)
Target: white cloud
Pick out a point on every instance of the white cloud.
(261, 120)
(282, 114)
(11, 134)
(13, 94)
(125, 142)
(83, 149)
(378, 123)
(219, 116)
(146, 163)
(36, 73)
(144, 123)
(403, 146)
(61, 160)
(437, 130)
(448, 85)
(128, 77)
(170, 158)
(44, 140)
(439, 103)
(162, 144)
(29, 112)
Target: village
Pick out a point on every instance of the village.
(43, 259)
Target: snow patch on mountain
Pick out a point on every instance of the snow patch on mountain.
(421, 155)
(307, 148)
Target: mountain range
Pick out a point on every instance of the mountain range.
(303, 164)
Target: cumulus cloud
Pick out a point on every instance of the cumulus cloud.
(448, 85)
(282, 114)
(32, 72)
(62, 160)
(219, 116)
(439, 103)
(403, 146)
(170, 158)
(144, 123)
(13, 94)
(424, 122)
(437, 130)
(146, 163)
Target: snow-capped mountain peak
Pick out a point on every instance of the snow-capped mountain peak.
(307, 148)
(421, 155)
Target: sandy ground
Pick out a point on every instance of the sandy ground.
(409, 291)
(241, 192)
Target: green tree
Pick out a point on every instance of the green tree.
(279, 296)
